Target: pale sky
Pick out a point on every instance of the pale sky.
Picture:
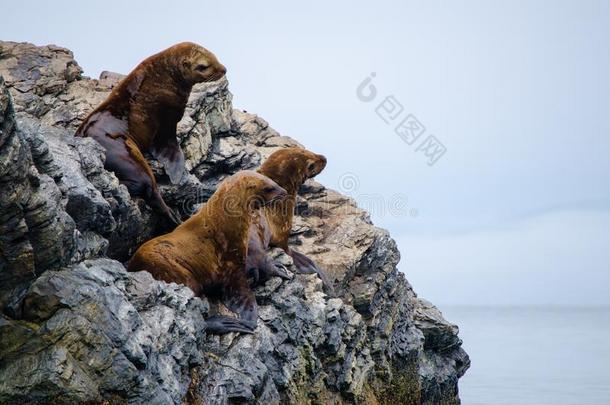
(516, 212)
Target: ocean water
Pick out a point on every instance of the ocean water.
(534, 356)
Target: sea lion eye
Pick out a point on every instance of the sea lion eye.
(268, 189)
(201, 68)
(311, 166)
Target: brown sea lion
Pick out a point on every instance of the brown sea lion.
(289, 168)
(141, 114)
(208, 251)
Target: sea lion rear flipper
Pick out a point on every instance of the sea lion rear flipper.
(171, 157)
(305, 265)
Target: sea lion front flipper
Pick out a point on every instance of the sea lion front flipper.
(171, 157)
(239, 298)
(219, 325)
(305, 265)
(157, 203)
(265, 269)
(253, 275)
(276, 269)
(142, 181)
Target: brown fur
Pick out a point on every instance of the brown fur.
(141, 114)
(208, 251)
(290, 168)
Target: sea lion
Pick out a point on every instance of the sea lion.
(289, 168)
(208, 251)
(141, 114)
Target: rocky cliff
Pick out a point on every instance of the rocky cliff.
(76, 327)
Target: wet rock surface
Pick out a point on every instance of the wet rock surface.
(76, 327)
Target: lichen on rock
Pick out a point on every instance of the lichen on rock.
(75, 326)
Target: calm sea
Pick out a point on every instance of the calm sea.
(534, 356)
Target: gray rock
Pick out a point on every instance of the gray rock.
(93, 330)
(36, 234)
(77, 327)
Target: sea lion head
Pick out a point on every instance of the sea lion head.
(315, 164)
(291, 167)
(198, 64)
(250, 190)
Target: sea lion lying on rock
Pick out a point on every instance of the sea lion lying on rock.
(208, 251)
(141, 114)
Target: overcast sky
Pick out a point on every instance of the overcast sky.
(515, 212)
